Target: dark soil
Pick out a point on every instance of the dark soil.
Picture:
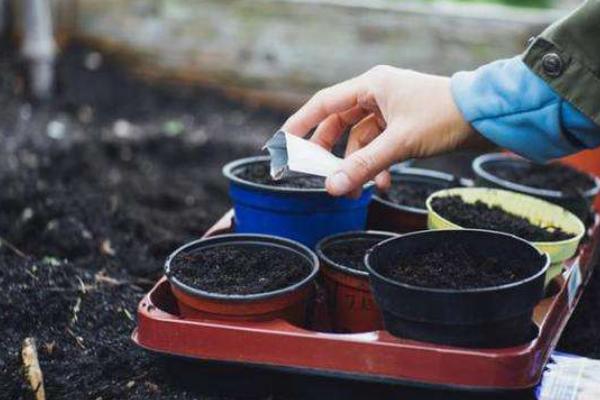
(454, 266)
(350, 252)
(240, 269)
(550, 176)
(260, 173)
(582, 334)
(98, 187)
(411, 193)
(479, 215)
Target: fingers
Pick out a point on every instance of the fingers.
(329, 131)
(383, 180)
(331, 100)
(364, 164)
(363, 133)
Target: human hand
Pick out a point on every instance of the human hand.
(395, 114)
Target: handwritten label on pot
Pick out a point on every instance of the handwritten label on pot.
(574, 282)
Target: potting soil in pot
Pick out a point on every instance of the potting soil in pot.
(260, 173)
(411, 193)
(551, 176)
(480, 215)
(350, 252)
(236, 269)
(453, 266)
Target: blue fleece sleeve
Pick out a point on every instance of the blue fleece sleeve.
(514, 108)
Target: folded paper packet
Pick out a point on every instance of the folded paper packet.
(292, 153)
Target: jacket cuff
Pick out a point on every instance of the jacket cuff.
(572, 74)
(510, 106)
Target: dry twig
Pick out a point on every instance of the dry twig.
(78, 339)
(12, 247)
(76, 309)
(33, 371)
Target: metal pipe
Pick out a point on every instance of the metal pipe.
(38, 47)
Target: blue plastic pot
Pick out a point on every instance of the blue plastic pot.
(305, 215)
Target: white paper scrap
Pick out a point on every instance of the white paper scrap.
(570, 377)
(293, 153)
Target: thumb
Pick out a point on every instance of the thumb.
(364, 164)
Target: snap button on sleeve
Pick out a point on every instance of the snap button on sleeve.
(552, 64)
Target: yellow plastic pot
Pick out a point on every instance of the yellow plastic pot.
(538, 212)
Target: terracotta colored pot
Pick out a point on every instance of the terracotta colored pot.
(352, 307)
(288, 303)
(586, 161)
(386, 215)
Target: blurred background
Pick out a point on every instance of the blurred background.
(279, 51)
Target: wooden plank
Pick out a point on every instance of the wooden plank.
(289, 48)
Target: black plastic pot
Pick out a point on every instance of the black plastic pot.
(498, 316)
(578, 203)
(386, 215)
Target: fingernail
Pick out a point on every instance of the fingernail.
(339, 183)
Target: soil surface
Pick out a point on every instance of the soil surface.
(260, 173)
(240, 269)
(99, 185)
(479, 215)
(456, 266)
(350, 252)
(411, 193)
(550, 176)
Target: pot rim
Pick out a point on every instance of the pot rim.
(580, 232)
(232, 238)
(505, 286)
(479, 170)
(228, 172)
(401, 170)
(348, 235)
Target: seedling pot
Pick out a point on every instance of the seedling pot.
(578, 203)
(387, 215)
(352, 307)
(303, 214)
(487, 317)
(537, 211)
(288, 303)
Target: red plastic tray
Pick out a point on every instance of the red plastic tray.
(372, 355)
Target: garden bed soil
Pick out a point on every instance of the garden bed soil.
(350, 252)
(240, 269)
(454, 266)
(411, 193)
(480, 215)
(260, 173)
(550, 176)
(98, 187)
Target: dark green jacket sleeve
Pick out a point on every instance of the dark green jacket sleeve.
(567, 56)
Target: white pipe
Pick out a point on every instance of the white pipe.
(39, 47)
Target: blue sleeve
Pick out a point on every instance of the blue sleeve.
(514, 108)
